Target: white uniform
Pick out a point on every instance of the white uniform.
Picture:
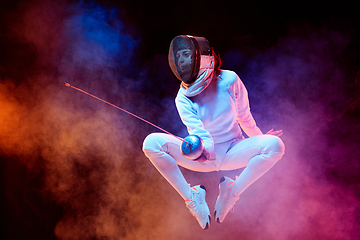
(216, 115)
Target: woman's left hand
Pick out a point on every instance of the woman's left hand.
(277, 133)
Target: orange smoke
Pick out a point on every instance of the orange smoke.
(17, 136)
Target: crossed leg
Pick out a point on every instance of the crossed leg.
(257, 154)
(163, 150)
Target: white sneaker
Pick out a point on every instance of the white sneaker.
(225, 201)
(198, 206)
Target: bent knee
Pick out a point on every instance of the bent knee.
(151, 142)
(277, 146)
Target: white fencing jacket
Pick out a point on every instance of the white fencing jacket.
(217, 113)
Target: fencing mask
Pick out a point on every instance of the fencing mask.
(185, 56)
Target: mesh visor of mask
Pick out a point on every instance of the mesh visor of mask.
(185, 55)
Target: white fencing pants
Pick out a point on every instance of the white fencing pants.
(257, 154)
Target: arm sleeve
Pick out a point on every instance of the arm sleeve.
(193, 123)
(244, 117)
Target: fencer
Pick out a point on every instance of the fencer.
(213, 104)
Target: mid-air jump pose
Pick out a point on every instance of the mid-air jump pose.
(214, 105)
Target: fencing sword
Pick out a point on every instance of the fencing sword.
(191, 147)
